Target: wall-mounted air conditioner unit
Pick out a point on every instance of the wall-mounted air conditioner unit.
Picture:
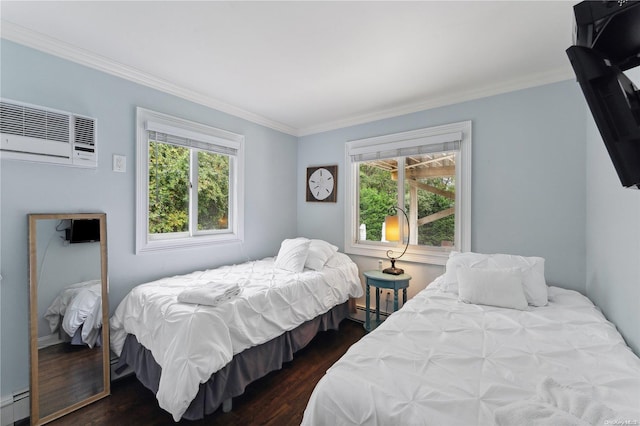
(33, 133)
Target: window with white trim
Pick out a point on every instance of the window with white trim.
(189, 183)
(427, 173)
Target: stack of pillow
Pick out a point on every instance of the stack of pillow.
(502, 280)
(298, 253)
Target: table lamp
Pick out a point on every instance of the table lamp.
(392, 233)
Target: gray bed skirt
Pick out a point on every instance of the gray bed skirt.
(244, 368)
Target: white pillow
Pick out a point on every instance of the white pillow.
(319, 253)
(488, 286)
(456, 260)
(292, 255)
(532, 269)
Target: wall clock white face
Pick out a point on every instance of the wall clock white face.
(321, 183)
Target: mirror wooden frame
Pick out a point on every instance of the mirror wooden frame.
(34, 395)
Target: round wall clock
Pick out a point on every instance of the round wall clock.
(322, 183)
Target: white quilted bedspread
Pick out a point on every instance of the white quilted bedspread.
(191, 342)
(438, 361)
(80, 305)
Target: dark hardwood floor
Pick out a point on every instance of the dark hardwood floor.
(68, 374)
(277, 399)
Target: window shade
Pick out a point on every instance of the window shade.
(425, 145)
(182, 137)
(180, 141)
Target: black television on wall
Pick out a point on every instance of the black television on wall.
(83, 231)
(607, 43)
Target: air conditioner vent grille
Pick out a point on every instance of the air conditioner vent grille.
(11, 121)
(84, 131)
(31, 122)
(57, 127)
(35, 123)
(45, 135)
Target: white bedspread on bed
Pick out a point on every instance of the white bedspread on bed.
(191, 342)
(80, 305)
(438, 361)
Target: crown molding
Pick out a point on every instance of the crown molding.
(38, 41)
(533, 80)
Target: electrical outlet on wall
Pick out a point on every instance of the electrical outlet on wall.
(387, 301)
(119, 163)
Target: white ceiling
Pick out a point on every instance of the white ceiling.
(307, 67)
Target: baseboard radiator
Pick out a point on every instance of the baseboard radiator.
(359, 314)
(14, 408)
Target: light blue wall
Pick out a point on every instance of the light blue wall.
(31, 76)
(613, 238)
(528, 190)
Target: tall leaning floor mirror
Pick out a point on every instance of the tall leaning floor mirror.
(68, 311)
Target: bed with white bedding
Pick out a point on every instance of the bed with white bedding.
(77, 309)
(441, 361)
(190, 342)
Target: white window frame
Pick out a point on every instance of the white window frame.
(404, 140)
(151, 120)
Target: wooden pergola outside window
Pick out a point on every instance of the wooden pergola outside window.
(417, 169)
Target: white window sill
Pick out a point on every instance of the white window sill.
(188, 242)
(433, 256)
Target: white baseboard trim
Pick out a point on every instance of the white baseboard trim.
(50, 340)
(14, 408)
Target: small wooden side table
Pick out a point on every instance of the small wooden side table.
(379, 280)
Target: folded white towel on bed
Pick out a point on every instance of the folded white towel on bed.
(211, 294)
(555, 405)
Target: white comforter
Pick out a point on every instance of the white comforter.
(438, 361)
(80, 305)
(191, 342)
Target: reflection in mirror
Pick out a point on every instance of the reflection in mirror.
(68, 306)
